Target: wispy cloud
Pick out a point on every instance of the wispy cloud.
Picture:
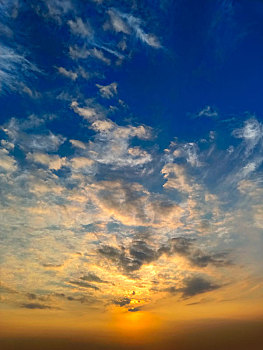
(128, 24)
(68, 73)
(78, 27)
(111, 143)
(208, 112)
(108, 91)
(14, 68)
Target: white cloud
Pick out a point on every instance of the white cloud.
(176, 178)
(88, 113)
(102, 126)
(68, 73)
(128, 24)
(251, 133)
(100, 55)
(111, 144)
(15, 130)
(7, 162)
(13, 69)
(81, 162)
(209, 112)
(108, 91)
(188, 151)
(117, 23)
(55, 9)
(78, 27)
(77, 52)
(51, 161)
(78, 144)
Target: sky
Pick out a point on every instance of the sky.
(131, 174)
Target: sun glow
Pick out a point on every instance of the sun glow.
(135, 325)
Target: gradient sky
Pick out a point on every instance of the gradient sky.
(131, 160)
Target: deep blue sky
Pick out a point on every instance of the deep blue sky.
(211, 54)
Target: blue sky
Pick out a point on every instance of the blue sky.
(131, 154)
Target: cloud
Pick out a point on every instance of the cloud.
(34, 306)
(54, 9)
(135, 309)
(31, 296)
(124, 229)
(122, 302)
(92, 277)
(77, 52)
(108, 91)
(176, 177)
(197, 285)
(142, 253)
(14, 69)
(81, 162)
(51, 161)
(78, 144)
(128, 24)
(84, 285)
(245, 158)
(111, 141)
(16, 131)
(251, 134)
(117, 23)
(139, 252)
(193, 286)
(52, 266)
(7, 162)
(197, 257)
(127, 262)
(78, 27)
(130, 204)
(97, 52)
(183, 152)
(90, 113)
(68, 73)
(208, 112)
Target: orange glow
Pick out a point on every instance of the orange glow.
(135, 327)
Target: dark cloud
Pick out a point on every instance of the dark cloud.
(139, 252)
(187, 247)
(132, 259)
(135, 309)
(61, 295)
(4, 289)
(122, 302)
(125, 198)
(84, 285)
(48, 265)
(178, 245)
(142, 253)
(91, 277)
(201, 259)
(192, 286)
(109, 252)
(71, 298)
(31, 296)
(35, 306)
(197, 285)
(171, 290)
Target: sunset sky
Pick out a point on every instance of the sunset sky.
(131, 174)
